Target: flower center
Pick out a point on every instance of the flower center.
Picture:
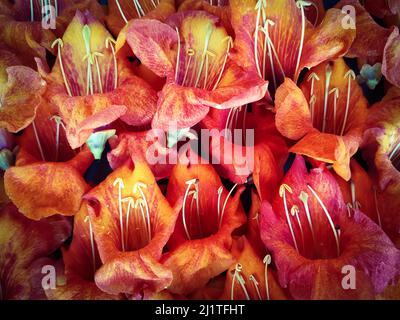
(133, 212)
(99, 78)
(265, 53)
(329, 118)
(298, 228)
(203, 51)
(238, 278)
(193, 218)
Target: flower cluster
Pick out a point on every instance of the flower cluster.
(199, 149)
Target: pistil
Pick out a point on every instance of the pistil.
(267, 261)
(60, 44)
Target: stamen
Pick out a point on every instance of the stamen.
(121, 12)
(220, 189)
(138, 187)
(189, 185)
(121, 186)
(267, 261)
(205, 50)
(350, 75)
(356, 204)
(271, 23)
(260, 6)
(349, 208)
(131, 204)
(394, 151)
(295, 213)
(239, 279)
(313, 101)
(377, 207)
(32, 10)
(255, 283)
(282, 194)
(178, 57)
(301, 5)
(313, 77)
(56, 7)
(190, 52)
(228, 48)
(304, 199)
(109, 43)
(38, 140)
(328, 216)
(139, 8)
(98, 71)
(268, 44)
(335, 91)
(328, 75)
(225, 202)
(58, 122)
(87, 219)
(60, 44)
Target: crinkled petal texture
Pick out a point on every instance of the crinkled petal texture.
(200, 245)
(370, 37)
(328, 114)
(315, 269)
(121, 12)
(27, 40)
(132, 222)
(382, 141)
(192, 51)
(22, 243)
(92, 87)
(149, 146)
(20, 93)
(391, 58)
(81, 260)
(285, 28)
(48, 176)
(244, 141)
(252, 268)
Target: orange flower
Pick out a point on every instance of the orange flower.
(312, 239)
(81, 261)
(192, 51)
(327, 114)
(200, 245)
(92, 86)
(250, 277)
(24, 247)
(132, 222)
(21, 25)
(275, 40)
(20, 92)
(48, 176)
(247, 144)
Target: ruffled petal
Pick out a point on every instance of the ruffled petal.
(130, 258)
(22, 243)
(206, 253)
